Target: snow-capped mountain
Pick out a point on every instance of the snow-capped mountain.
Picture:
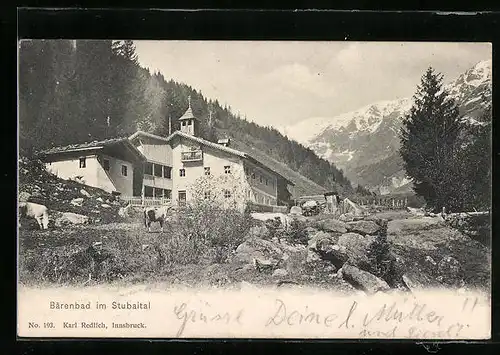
(365, 142)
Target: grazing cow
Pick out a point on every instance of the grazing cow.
(34, 210)
(155, 214)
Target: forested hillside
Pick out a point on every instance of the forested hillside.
(84, 90)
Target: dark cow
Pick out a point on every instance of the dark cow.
(155, 214)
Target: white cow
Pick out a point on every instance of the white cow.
(33, 210)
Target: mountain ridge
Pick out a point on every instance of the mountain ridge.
(364, 142)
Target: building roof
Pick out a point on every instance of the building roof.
(189, 112)
(94, 145)
(148, 135)
(245, 155)
(187, 115)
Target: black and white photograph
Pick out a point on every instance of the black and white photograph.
(262, 189)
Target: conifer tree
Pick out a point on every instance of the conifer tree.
(429, 143)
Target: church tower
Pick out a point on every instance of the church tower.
(188, 121)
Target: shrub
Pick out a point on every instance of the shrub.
(297, 232)
(212, 230)
(381, 260)
(275, 228)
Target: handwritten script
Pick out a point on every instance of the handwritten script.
(405, 318)
(251, 313)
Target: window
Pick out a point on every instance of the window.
(182, 198)
(227, 193)
(266, 181)
(148, 169)
(124, 170)
(246, 171)
(105, 164)
(167, 194)
(182, 172)
(167, 172)
(148, 191)
(227, 169)
(183, 123)
(253, 175)
(207, 170)
(260, 179)
(190, 122)
(207, 195)
(157, 170)
(83, 163)
(158, 192)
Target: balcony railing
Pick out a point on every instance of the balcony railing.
(194, 155)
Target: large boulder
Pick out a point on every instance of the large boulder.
(358, 248)
(346, 217)
(351, 207)
(296, 210)
(411, 225)
(69, 218)
(335, 254)
(294, 257)
(418, 281)
(331, 225)
(363, 227)
(318, 237)
(257, 248)
(363, 280)
(267, 216)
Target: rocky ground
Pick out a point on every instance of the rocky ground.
(368, 255)
(69, 202)
(92, 240)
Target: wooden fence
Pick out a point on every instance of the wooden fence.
(146, 201)
(257, 207)
(390, 202)
(318, 198)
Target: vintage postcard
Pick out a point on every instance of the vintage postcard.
(254, 189)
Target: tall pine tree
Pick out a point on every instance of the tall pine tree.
(429, 146)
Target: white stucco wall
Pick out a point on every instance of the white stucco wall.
(113, 179)
(212, 158)
(70, 168)
(262, 193)
(94, 174)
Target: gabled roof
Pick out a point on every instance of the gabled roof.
(94, 145)
(188, 114)
(138, 134)
(239, 153)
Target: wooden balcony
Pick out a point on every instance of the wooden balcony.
(194, 155)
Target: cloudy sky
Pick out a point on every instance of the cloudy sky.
(281, 83)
